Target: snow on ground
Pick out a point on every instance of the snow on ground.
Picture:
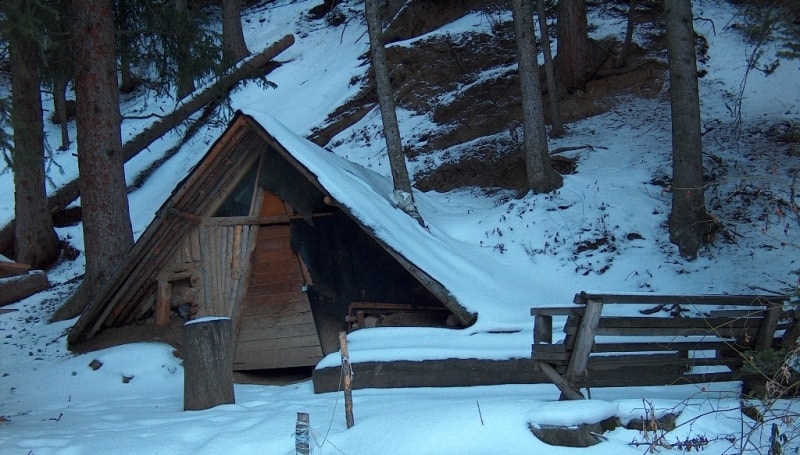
(54, 403)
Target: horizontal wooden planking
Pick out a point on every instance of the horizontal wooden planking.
(273, 255)
(258, 288)
(269, 321)
(655, 299)
(284, 358)
(276, 304)
(275, 331)
(290, 271)
(649, 326)
(664, 346)
(558, 311)
(279, 344)
(599, 362)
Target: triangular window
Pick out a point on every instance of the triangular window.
(239, 201)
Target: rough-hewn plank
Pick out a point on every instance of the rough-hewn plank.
(432, 373)
(656, 299)
(15, 288)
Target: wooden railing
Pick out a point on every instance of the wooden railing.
(677, 339)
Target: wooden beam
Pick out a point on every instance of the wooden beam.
(563, 385)
(711, 299)
(584, 339)
(13, 269)
(163, 302)
(768, 326)
(16, 288)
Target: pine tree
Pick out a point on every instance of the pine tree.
(36, 242)
(106, 221)
(541, 176)
(403, 196)
(688, 221)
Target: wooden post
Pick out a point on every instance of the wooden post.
(584, 340)
(543, 329)
(207, 363)
(163, 302)
(302, 433)
(347, 377)
(768, 326)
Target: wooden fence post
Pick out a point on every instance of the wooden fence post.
(346, 380)
(302, 434)
(207, 363)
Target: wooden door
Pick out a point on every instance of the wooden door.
(276, 326)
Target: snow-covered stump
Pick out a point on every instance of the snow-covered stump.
(207, 363)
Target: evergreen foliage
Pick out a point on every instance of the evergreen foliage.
(155, 38)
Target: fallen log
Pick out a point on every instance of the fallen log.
(255, 66)
(15, 288)
(13, 269)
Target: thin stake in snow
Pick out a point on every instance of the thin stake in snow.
(347, 377)
(301, 434)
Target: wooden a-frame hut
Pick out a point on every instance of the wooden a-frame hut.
(251, 234)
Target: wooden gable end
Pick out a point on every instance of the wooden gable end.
(130, 293)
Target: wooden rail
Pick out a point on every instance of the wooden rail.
(643, 348)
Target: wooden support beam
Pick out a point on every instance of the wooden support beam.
(543, 329)
(768, 326)
(163, 302)
(563, 385)
(584, 339)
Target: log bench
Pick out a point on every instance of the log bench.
(614, 340)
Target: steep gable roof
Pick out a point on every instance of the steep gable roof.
(128, 294)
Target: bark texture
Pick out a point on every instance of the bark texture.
(207, 364)
(36, 241)
(541, 176)
(688, 221)
(232, 36)
(557, 127)
(574, 49)
(391, 130)
(106, 220)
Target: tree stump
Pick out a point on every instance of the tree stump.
(207, 363)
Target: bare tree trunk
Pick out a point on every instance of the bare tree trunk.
(688, 220)
(128, 79)
(36, 241)
(541, 176)
(232, 35)
(185, 82)
(552, 91)
(106, 220)
(60, 108)
(626, 45)
(574, 50)
(403, 196)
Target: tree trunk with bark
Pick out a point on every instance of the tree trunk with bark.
(256, 66)
(689, 222)
(208, 363)
(106, 219)
(625, 50)
(574, 49)
(185, 84)
(541, 176)
(232, 36)
(58, 66)
(557, 127)
(36, 241)
(403, 197)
